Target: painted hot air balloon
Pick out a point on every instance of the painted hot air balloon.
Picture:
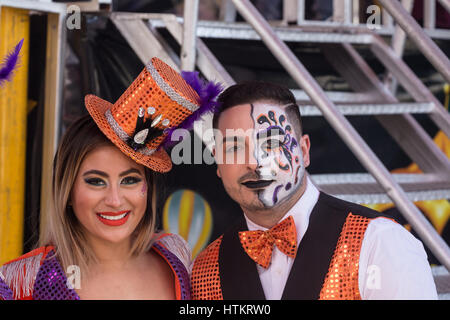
(188, 214)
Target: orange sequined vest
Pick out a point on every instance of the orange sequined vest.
(326, 265)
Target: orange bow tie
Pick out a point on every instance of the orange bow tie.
(259, 244)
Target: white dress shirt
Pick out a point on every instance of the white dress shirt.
(392, 263)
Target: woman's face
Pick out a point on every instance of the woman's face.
(109, 196)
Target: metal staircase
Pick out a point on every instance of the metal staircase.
(370, 96)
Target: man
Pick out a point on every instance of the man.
(293, 241)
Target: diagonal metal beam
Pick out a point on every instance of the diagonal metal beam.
(409, 81)
(405, 130)
(188, 51)
(211, 68)
(206, 61)
(427, 46)
(144, 43)
(445, 4)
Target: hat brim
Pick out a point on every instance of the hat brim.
(158, 161)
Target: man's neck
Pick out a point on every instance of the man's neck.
(268, 217)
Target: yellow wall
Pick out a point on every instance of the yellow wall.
(14, 26)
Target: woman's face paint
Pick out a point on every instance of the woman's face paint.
(144, 190)
(277, 152)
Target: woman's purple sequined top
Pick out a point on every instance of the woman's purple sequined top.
(48, 281)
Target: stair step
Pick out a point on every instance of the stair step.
(219, 29)
(372, 109)
(441, 278)
(363, 188)
(311, 34)
(351, 103)
(335, 96)
(308, 33)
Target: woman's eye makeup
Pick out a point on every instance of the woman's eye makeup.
(95, 181)
(131, 180)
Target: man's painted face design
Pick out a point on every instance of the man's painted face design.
(277, 153)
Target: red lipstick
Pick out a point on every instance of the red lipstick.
(114, 219)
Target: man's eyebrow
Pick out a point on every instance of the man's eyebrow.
(271, 131)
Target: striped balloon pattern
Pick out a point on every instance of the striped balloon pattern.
(188, 214)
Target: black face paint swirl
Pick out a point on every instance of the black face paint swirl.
(278, 155)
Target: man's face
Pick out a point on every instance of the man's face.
(260, 158)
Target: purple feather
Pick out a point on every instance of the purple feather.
(10, 64)
(207, 92)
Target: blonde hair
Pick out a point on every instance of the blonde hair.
(63, 230)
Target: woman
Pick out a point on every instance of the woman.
(100, 241)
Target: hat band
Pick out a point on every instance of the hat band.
(123, 135)
(169, 90)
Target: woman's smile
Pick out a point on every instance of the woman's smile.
(107, 196)
(114, 219)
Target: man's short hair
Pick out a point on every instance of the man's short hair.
(254, 91)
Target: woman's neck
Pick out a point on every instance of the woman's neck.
(111, 256)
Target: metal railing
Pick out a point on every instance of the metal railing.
(427, 46)
(349, 12)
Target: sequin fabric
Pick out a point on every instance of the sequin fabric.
(122, 134)
(341, 281)
(158, 93)
(180, 271)
(145, 93)
(259, 244)
(172, 85)
(205, 278)
(5, 292)
(51, 282)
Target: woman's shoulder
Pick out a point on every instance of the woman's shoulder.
(176, 245)
(20, 273)
(40, 252)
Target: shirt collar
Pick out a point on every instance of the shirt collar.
(300, 211)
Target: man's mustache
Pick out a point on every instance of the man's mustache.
(254, 176)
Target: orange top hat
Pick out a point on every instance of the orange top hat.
(158, 101)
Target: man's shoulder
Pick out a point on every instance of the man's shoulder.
(345, 207)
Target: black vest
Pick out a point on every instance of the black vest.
(239, 277)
